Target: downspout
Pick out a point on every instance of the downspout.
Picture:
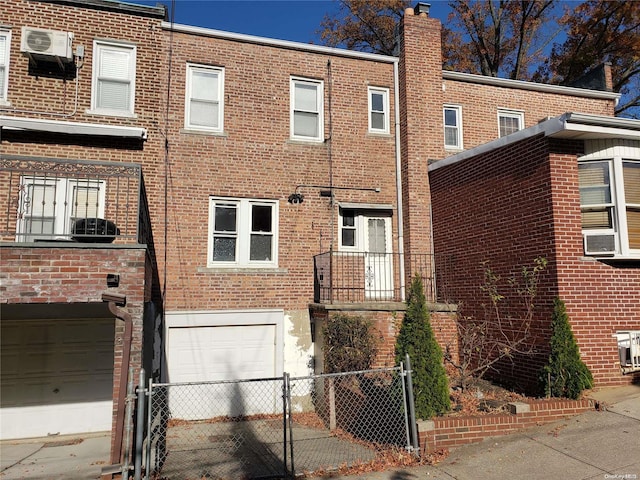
(396, 106)
(113, 301)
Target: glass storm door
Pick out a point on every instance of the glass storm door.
(378, 264)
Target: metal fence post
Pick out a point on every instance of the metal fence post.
(147, 471)
(412, 410)
(140, 417)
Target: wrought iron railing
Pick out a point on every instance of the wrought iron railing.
(69, 200)
(360, 277)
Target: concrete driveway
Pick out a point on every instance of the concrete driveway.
(55, 458)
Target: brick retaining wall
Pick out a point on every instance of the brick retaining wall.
(450, 432)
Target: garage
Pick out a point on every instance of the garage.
(219, 346)
(56, 377)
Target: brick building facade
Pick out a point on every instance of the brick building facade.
(260, 185)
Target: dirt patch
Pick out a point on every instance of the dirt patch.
(63, 443)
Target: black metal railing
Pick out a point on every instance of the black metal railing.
(69, 200)
(359, 277)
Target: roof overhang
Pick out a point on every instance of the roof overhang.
(571, 126)
(72, 128)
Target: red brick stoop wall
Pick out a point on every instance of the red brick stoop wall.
(451, 432)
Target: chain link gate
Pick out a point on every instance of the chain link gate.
(275, 427)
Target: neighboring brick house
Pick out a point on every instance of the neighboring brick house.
(79, 96)
(281, 182)
(566, 190)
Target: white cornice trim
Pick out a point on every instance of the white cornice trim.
(272, 42)
(537, 87)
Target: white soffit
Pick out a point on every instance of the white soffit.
(72, 128)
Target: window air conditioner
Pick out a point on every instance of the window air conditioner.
(47, 45)
(599, 243)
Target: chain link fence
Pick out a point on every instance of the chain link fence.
(276, 427)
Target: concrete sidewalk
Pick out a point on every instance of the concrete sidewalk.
(595, 445)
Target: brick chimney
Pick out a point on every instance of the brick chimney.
(422, 137)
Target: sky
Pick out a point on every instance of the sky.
(295, 20)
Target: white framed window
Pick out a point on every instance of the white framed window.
(49, 206)
(307, 113)
(114, 78)
(363, 230)
(452, 126)
(509, 121)
(204, 102)
(243, 232)
(378, 110)
(610, 205)
(5, 44)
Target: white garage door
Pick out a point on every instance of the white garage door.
(210, 347)
(57, 377)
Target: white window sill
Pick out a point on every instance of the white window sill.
(111, 113)
(379, 133)
(306, 141)
(206, 133)
(612, 258)
(244, 270)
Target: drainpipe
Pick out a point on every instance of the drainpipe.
(115, 300)
(396, 106)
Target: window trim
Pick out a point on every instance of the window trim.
(385, 109)
(190, 68)
(4, 93)
(243, 233)
(615, 159)
(510, 113)
(459, 137)
(319, 84)
(98, 47)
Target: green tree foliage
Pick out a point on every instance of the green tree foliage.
(565, 375)
(416, 338)
(350, 343)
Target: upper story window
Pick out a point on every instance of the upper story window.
(50, 206)
(610, 206)
(243, 233)
(5, 44)
(510, 121)
(452, 126)
(378, 110)
(114, 76)
(307, 121)
(204, 104)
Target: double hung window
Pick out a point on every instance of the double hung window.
(452, 127)
(5, 43)
(509, 121)
(114, 74)
(307, 121)
(610, 206)
(204, 98)
(378, 110)
(243, 232)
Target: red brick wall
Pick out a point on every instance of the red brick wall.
(255, 158)
(526, 204)
(451, 432)
(600, 297)
(480, 104)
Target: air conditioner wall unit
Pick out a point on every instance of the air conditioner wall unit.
(599, 243)
(47, 45)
